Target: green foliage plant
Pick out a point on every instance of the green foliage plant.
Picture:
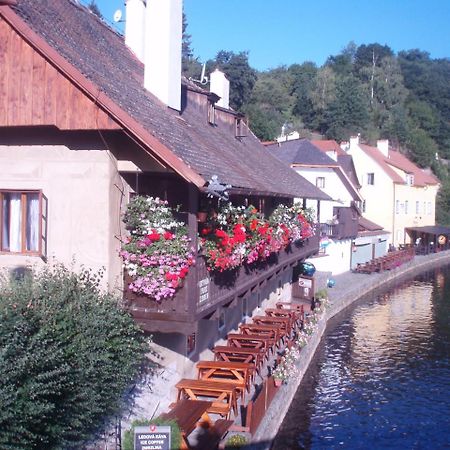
(175, 433)
(236, 441)
(68, 355)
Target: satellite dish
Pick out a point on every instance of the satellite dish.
(117, 16)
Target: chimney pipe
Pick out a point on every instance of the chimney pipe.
(220, 86)
(383, 146)
(135, 27)
(163, 34)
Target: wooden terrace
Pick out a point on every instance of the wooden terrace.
(215, 402)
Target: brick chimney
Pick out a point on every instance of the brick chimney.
(383, 146)
(135, 27)
(163, 35)
(220, 86)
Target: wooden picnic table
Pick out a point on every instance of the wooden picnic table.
(294, 316)
(242, 340)
(272, 330)
(187, 414)
(283, 321)
(246, 355)
(223, 394)
(237, 373)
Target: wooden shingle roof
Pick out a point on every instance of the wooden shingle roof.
(95, 57)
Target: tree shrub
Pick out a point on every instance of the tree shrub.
(68, 353)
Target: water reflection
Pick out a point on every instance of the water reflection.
(381, 378)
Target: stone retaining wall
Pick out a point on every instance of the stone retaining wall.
(349, 288)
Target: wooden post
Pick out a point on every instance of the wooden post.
(192, 279)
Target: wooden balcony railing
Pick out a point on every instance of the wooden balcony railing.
(346, 226)
(204, 291)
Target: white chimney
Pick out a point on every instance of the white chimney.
(163, 34)
(220, 86)
(383, 146)
(354, 141)
(135, 27)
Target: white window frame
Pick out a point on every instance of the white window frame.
(370, 179)
(320, 182)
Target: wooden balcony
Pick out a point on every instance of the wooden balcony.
(204, 291)
(346, 226)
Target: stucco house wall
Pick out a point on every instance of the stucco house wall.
(336, 259)
(378, 198)
(333, 187)
(85, 194)
(414, 207)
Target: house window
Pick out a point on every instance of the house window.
(417, 207)
(406, 206)
(397, 206)
(240, 128)
(371, 178)
(23, 223)
(429, 208)
(409, 179)
(363, 206)
(211, 113)
(320, 182)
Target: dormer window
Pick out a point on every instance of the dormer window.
(211, 113)
(371, 178)
(240, 128)
(409, 179)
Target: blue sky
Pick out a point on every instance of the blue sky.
(293, 31)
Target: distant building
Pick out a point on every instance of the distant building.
(338, 217)
(397, 194)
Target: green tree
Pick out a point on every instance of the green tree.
(270, 104)
(68, 355)
(303, 78)
(348, 113)
(422, 149)
(342, 64)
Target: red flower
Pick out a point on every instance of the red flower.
(168, 236)
(154, 236)
(205, 231)
(254, 224)
(221, 234)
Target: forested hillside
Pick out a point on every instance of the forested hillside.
(366, 89)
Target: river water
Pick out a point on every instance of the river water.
(381, 376)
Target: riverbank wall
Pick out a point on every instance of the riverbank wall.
(349, 288)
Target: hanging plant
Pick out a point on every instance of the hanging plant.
(157, 254)
(241, 235)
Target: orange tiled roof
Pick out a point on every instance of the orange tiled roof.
(328, 146)
(399, 161)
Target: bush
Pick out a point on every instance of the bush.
(175, 435)
(236, 441)
(67, 355)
